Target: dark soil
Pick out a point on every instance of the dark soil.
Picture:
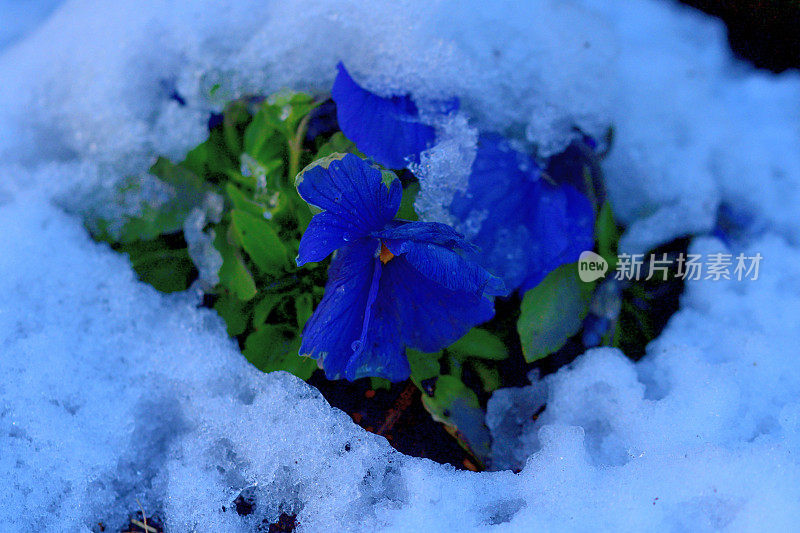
(246, 504)
(397, 414)
(286, 524)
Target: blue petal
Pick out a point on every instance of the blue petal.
(449, 269)
(382, 352)
(386, 129)
(429, 315)
(338, 320)
(354, 201)
(529, 227)
(564, 221)
(570, 168)
(503, 187)
(431, 232)
(322, 120)
(430, 248)
(324, 234)
(412, 310)
(347, 333)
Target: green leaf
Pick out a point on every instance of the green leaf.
(281, 113)
(166, 269)
(489, 376)
(220, 159)
(458, 408)
(380, 383)
(387, 176)
(261, 242)
(233, 273)
(263, 140)
(262, 177)
(480, 344)
(177, 175)
(607, 235)
(423, 365)
(188, 192)
(304, 306)
(234, 312)
(272, 348)
(406, 211)
(264, 307)
(152, 223)
(449, 389)
(293, 107)
(197, 159)
(552, 312)
(234, 118)
(235, 176)
(337, 143)
(242, 202)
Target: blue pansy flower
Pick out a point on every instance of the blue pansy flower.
(391, 283)
(322, 120)
(579, 165)
(387, 129)
(528, 225)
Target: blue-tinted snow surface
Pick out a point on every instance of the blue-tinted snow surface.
(112, 395)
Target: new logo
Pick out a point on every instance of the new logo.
(591, 266)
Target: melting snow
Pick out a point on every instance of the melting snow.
(112, 393)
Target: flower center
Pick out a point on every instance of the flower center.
(386, 254)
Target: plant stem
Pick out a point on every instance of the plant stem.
(403, 402)
(296, 147)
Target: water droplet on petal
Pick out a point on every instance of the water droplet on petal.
(356, 346)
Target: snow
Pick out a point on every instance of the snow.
(200, 244)
(727, 364)
(19, 18)
(444, 169)
(694, 129)
(113, 395)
